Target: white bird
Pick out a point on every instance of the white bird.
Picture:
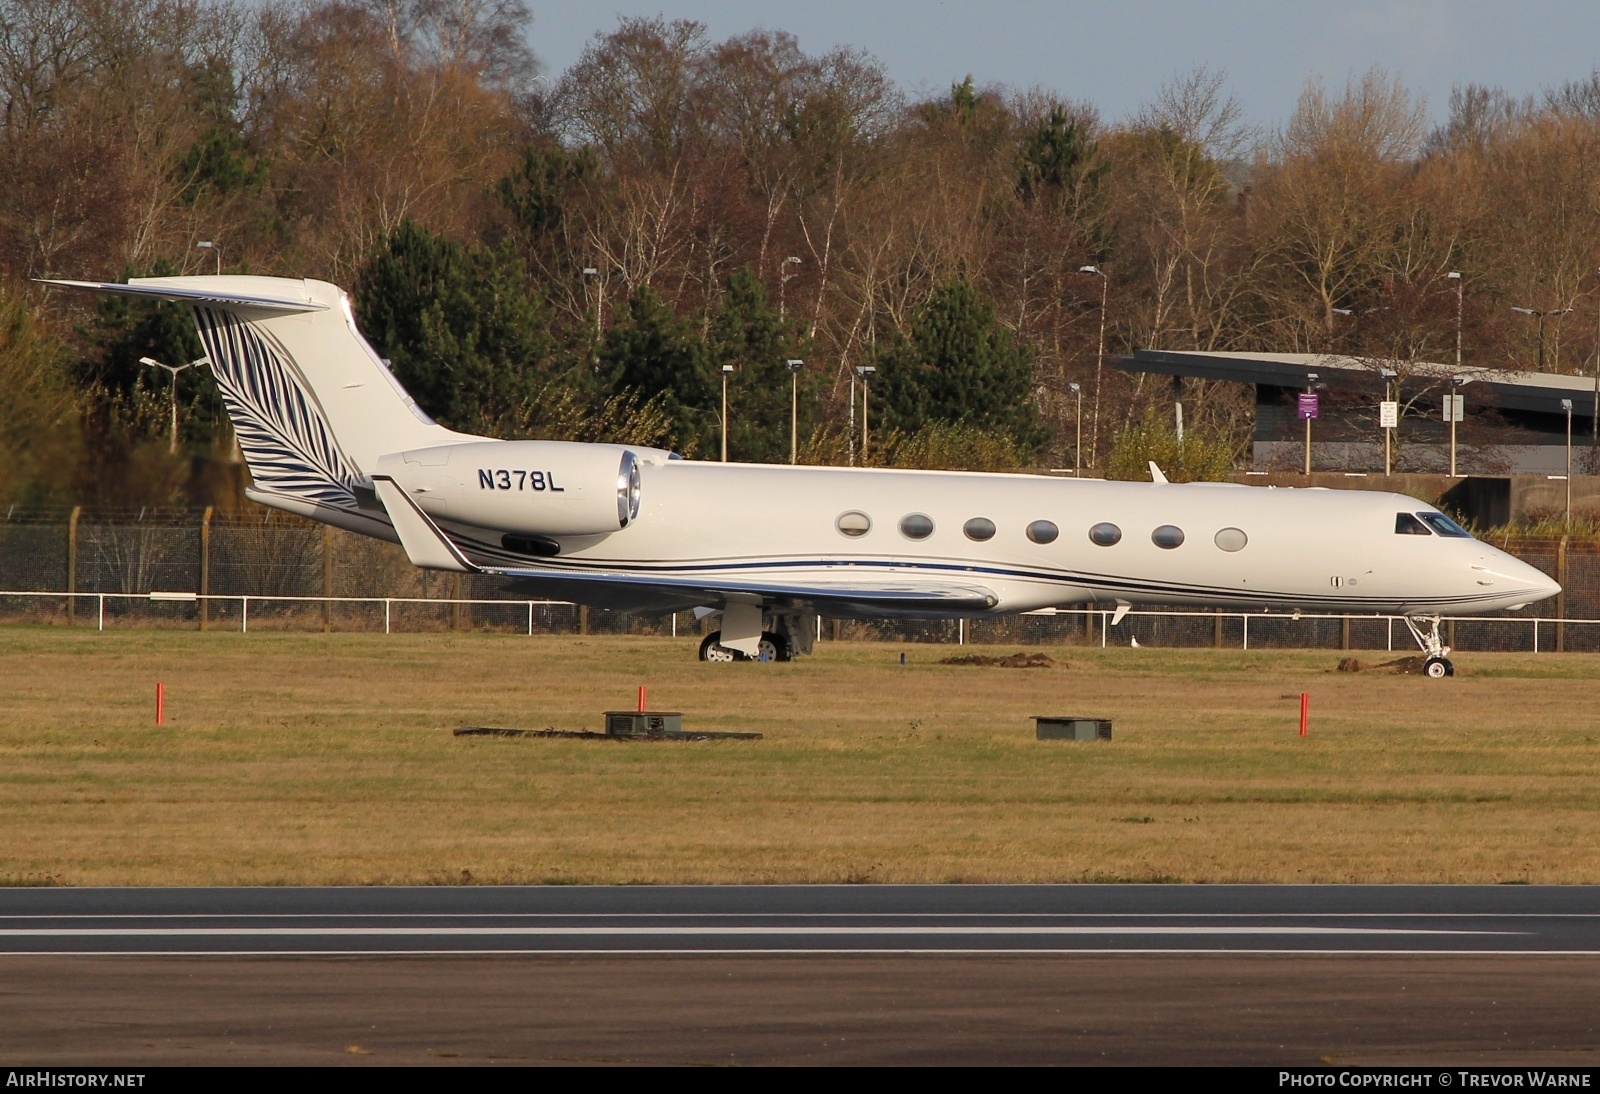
(1134, 642)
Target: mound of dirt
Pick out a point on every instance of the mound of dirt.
(1400, 666)
(1013, 661)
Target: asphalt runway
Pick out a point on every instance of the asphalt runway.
(1276, 975)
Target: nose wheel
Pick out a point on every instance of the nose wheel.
(1425, 629)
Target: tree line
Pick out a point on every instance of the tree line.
(583, 254)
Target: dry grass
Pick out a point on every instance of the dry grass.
(312, 759)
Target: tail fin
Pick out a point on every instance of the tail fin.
(313, 406)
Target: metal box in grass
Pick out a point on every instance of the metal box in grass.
(1056, 727)
(643, 723)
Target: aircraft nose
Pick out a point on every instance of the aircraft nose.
(1539, 585)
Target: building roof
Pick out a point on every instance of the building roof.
(1537, 392)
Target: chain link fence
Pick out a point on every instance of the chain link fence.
(278, 572)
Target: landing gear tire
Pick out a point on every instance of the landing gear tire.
(1437, 668)
(772, 647)
(712, 649)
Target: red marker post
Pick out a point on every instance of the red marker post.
(641, 698)
(161, 704)
(1305, 709)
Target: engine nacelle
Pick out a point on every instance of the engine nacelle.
(538, 488)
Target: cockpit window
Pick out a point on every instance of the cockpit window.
(1407, 525)
(1444, 525)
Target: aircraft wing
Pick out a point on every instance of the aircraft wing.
(427, 545)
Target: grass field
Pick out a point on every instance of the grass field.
(328, 759)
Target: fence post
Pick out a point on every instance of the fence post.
(1344, 633)
(327, 577)
(72, 563)
(1247, 630)
(1216, 630)
(455, 602)
(1561, 597)
(583, 619)
(205, 567)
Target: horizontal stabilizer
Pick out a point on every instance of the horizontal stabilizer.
(184, 295)
(425, 544)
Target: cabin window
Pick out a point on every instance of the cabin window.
(1232, 539)
(1043, 531)
(1444, 525)
(1106, 535)
(854, 523)
(1407, 525)
(1167, 537)
(916, 526)
(979, 528)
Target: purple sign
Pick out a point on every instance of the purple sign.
(1305, 406)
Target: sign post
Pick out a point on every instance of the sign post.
(1388, 420)
(1305, 407)
(1453, 413)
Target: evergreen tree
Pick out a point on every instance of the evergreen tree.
(656, 355)
(748, 334)
(459, 326)
(958, 364)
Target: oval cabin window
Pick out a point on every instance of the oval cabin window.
(1105, 535)
(1042, 531)
(854, 524)
(1232, 539)
(916, 526)
(979, 528)
(1167, 537)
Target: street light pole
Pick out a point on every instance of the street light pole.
(172, 444)
(216, 248)
(1566, 404)
(794, 364)
(600, 305)
(783, 280)
(1455, 275)
(726, 369)
(1077, 444)
(1541, 313)
(1100, 356)
(866, 372)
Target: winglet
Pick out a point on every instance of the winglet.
(425, 544)
(1122, 610)
(1156, 474)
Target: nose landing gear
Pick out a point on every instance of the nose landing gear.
(1438, 664)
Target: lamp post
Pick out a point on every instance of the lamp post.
(795, 364)
(866, 372)
(1455, 275)
(1077, 444)
(172, 445)
(1566, 404)
(1100, 356)
(726, 370)
(1454, 412)
(215, 247)
(1541, 313)
(1388, 416)
(783, 280)
(600, 304)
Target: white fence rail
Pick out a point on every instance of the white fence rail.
(1087, 625)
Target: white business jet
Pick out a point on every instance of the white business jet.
(329, 433)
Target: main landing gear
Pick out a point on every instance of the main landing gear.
(772, 647)
(1438, 664)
